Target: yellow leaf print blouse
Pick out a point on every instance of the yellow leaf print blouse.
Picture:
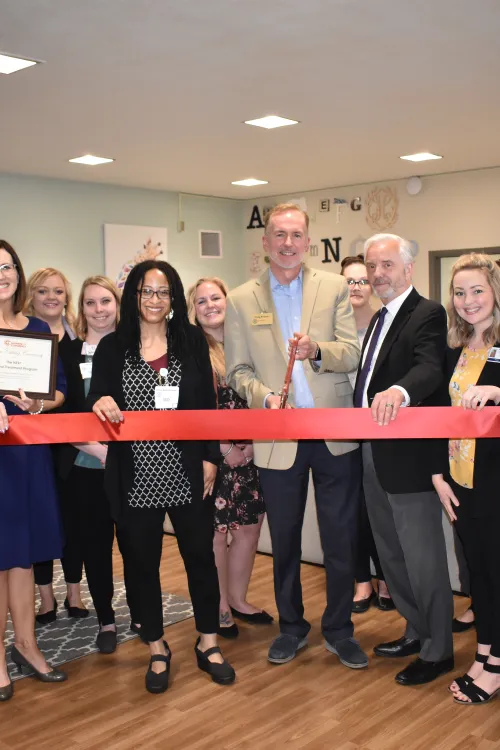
(461, 452)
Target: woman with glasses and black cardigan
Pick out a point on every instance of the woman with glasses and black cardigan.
(157, 360)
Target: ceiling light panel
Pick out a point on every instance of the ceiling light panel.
(250, 182)
(271, 121)
(11, 64)
(90, 160)
(422, 156)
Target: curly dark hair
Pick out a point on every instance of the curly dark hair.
(350, 261)
(20, 294)
(128, 330)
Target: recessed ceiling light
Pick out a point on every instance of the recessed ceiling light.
(11, 64)
(271, 121)
(422, 156)
(90, 160)
(250, 182)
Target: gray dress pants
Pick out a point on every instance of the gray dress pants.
(408, 533)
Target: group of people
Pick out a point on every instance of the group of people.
(154, 347)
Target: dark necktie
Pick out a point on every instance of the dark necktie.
(360, 385)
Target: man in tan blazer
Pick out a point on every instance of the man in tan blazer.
(262, 317)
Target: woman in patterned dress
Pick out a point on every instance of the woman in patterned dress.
(467, 471)
(239, 505)
(157, 360)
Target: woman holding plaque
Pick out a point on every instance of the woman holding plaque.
(239, 505)
(157, 360)
(49, 297)
(29, 519)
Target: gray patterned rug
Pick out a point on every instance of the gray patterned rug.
(67, 639)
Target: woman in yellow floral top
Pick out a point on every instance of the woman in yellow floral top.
(468, 484)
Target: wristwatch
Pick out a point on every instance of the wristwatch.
(317, 355)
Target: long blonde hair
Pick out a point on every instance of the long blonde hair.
(38, 278)
(216, 349)
(460, 332)
(81, 326)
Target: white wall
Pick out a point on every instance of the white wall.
(60, 223)
(455, 211)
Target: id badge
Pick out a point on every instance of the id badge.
(166, 396)
(494, 354)
(86, 370)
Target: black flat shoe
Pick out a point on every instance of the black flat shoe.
(421, 672)
(47, 617)
(106, 641)
(384, 604)
(363, 605)
(222, 674)
(137, 629)
(230, 632)
(6, 692)
(55, 675)
(395, 649)
(78, 613)
(466, 679)
(257, 618)
(158, 682)
(477, 695)
(458, 626)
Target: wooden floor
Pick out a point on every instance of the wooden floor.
(312, 703)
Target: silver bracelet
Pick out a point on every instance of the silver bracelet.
(228, 452)
(34, 413)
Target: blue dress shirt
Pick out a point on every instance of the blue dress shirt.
(288, 303)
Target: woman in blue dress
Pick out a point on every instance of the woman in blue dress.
(30, 529)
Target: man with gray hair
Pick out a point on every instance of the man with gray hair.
(402, 365)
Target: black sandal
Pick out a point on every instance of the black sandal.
(477, 695)
(157, 682)
(466, 679)
(222, 674)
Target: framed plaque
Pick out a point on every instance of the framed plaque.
(28, 361)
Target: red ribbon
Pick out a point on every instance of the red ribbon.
(258, 424)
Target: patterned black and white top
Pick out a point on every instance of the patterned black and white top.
(160, 480)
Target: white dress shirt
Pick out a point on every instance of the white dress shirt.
(392, 308)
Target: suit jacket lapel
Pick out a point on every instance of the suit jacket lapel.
(310, 286)
(398, 324)
(264, 299)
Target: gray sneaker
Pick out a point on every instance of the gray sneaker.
(349, 652)
(284, 648)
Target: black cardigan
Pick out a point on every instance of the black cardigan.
(196, 391)
(486, 458)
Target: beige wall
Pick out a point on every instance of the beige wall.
(452, 211)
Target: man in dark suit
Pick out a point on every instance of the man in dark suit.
(402, 365)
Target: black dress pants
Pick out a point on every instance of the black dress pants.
(140, 534)
(366, 548)
(89, 535)
(336, 485)
(478, 532)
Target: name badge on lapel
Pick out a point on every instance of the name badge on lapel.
(86, 370)
(262, 319)
(494, 354)
(166, 396)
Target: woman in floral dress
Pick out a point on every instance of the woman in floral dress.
(239, 506)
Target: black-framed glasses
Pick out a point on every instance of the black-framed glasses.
(8, 267)
(361, 282)
(147, 292)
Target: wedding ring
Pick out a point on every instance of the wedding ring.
(389, 406)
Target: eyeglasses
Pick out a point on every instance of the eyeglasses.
(361, 282)
(162, 293)
(8, 267)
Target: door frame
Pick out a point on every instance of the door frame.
(435, 266)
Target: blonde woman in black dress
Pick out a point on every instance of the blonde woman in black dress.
(239, 505)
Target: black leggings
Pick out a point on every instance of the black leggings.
(366, 548)
(89, 534)
(479, 536)
(140, 533)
